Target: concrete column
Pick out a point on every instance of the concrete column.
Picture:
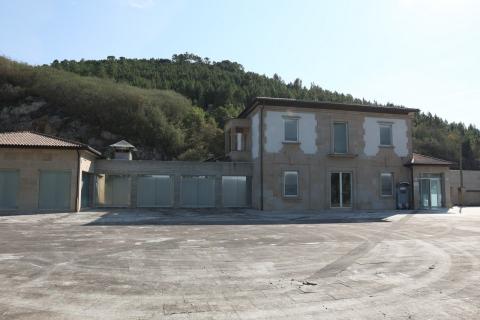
(177, 179)
(218, 192)
(133, 190)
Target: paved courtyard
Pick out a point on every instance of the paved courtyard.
(240, 265)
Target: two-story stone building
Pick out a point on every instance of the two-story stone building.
(323, 155)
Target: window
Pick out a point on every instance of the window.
(386, 182)
(291, 129)
(290, 184)
(385, 134)
(239, 137)
(340, 137)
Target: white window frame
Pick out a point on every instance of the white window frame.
(385, 125)
(289, 118)
(346, 136)
(284, 184)
(391, 182)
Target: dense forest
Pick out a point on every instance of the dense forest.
(175, 108)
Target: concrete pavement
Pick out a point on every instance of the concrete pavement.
(125, 264)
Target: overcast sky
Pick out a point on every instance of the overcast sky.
(417, 53)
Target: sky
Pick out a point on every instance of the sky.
(417, 53)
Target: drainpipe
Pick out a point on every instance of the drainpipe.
(261, 158)
(461, 175)
(412, 187)
(77, 193)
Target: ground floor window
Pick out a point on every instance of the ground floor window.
(341, 190)
(54, 190)
(112, 190)
(235, 191)
(8, 189)
(198, 191)
(290, 184)
(154, 191)
(386, 184)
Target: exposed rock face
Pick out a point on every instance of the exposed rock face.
(37, 115)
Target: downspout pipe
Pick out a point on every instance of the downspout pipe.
(77, 189)
(261, 157)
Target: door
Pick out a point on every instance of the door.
(54, 190)
(198, 191)
(430, 192)
(86, 190)
(154, 191)
(341, 190)
(8, 189)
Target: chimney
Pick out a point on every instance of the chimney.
(122, 150)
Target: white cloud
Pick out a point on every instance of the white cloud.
(141, 4)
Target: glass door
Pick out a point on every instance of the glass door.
(431, 192)
(435, 193)
(341, 190)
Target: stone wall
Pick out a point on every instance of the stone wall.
(471, 191)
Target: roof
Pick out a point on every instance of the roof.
(123, 145)
(30, 139)
(420, 159)
(323, 105)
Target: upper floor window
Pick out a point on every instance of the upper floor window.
(290, 184)
(290, 129)
(240, 144)
(386, 134)
(386, 181)
(340, 137)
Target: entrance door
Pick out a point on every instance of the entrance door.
(431, 192)
(86, 190)
(341, 190)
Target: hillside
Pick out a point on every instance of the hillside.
(224, 88)
(162, 123)
(167, 107)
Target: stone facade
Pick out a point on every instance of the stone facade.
(29, 162)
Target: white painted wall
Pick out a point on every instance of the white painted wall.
(255, 135)
(274, 131)
(372, 135)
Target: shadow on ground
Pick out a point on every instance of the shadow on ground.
(236, 217)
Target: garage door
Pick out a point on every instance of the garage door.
(54, 190)
(8, 189)
(198, 191)
(154, 191)
(113, 190)
(235, 191)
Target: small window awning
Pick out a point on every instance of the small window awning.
(423, 160)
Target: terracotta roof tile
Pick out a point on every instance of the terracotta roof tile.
(420, 159)
(29, 139)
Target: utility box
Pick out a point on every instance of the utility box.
(403, 196)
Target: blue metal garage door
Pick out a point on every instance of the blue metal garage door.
(54, 190)
(8, 189)
(235, 191)
(154, 191)
(112, 190)
(198, 191)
